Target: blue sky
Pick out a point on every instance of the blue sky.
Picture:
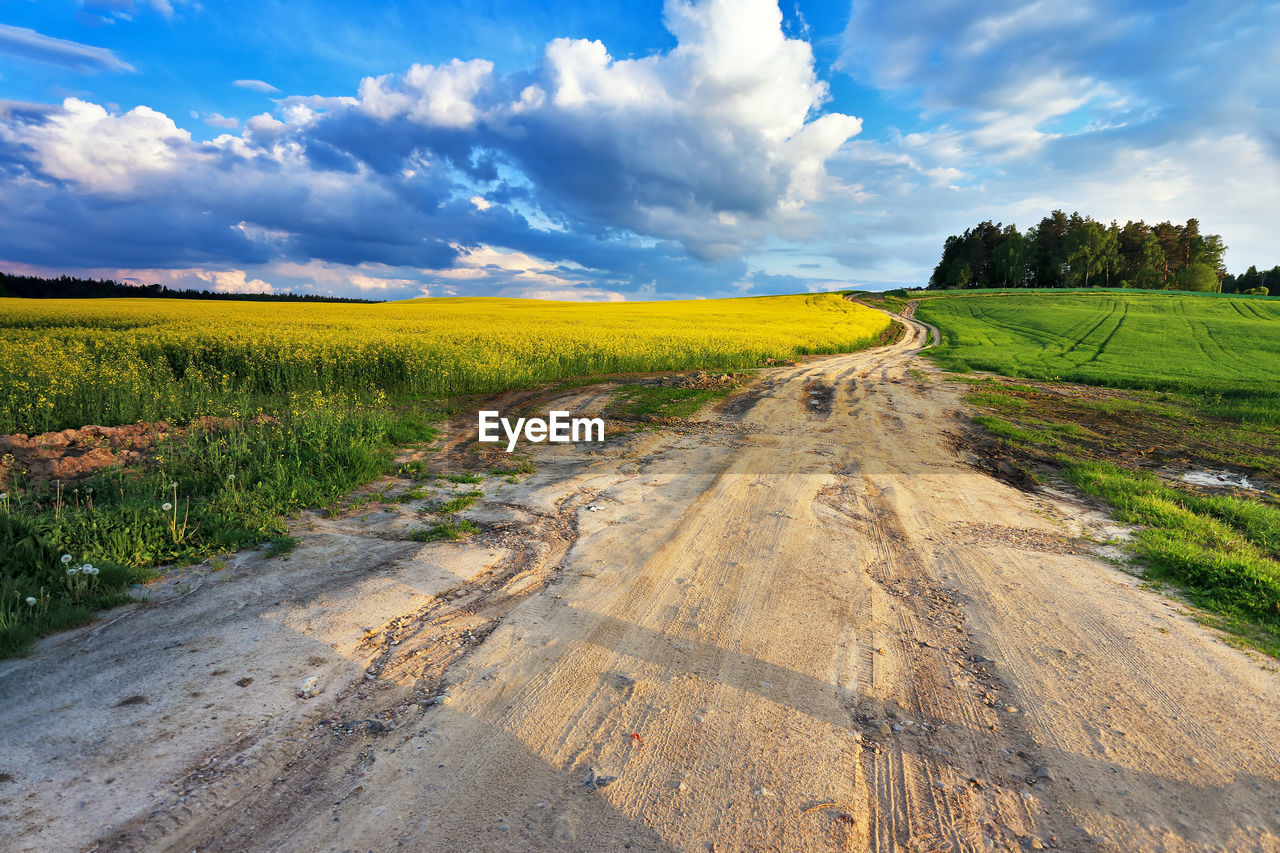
(602, 150)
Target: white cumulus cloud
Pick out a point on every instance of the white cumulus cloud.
(100, 151)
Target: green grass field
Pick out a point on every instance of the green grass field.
(1203, 374)
(1224, 350)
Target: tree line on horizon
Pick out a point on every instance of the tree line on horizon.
(69, 287)
(1253, 281)
(1079, 251)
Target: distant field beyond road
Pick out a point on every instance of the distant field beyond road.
(1184, 342)
(115, 361)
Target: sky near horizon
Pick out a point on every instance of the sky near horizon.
(614, 150)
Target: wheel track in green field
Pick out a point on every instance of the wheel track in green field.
(1258, 314)
(1073, 332)
(1103, 346)
(1085, 337)
(1235, 304)
(1034, 332)
(1225, 353)
(1191, 329)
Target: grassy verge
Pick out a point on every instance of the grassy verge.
(1197, 373)
(459, 502)
(200, 493)
(1222, 550)
(647, 402)
(446, 531)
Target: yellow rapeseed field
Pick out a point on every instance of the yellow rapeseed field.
(67, 363)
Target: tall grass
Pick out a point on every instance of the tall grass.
(1223, 550)
(208, 491)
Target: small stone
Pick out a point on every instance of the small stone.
(764, 792)
(1010, 709)
(595, 781)
(1044, 773)
(310, 688)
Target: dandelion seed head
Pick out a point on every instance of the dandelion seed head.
(166, 507)
(31, 601)
(73, 570)
(66, 558)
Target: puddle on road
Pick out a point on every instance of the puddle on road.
(1219, 480)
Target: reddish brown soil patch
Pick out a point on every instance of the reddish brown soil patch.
(703, 380)
(74, 454)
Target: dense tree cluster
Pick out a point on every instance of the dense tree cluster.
(1079, 251)
(1252, 281)
(67, 287)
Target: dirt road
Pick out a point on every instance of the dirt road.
(804, 623)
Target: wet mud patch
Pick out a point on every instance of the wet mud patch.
(995, 458)
(817, 397)
(1167, 434)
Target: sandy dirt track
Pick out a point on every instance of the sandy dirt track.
(802, 623)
